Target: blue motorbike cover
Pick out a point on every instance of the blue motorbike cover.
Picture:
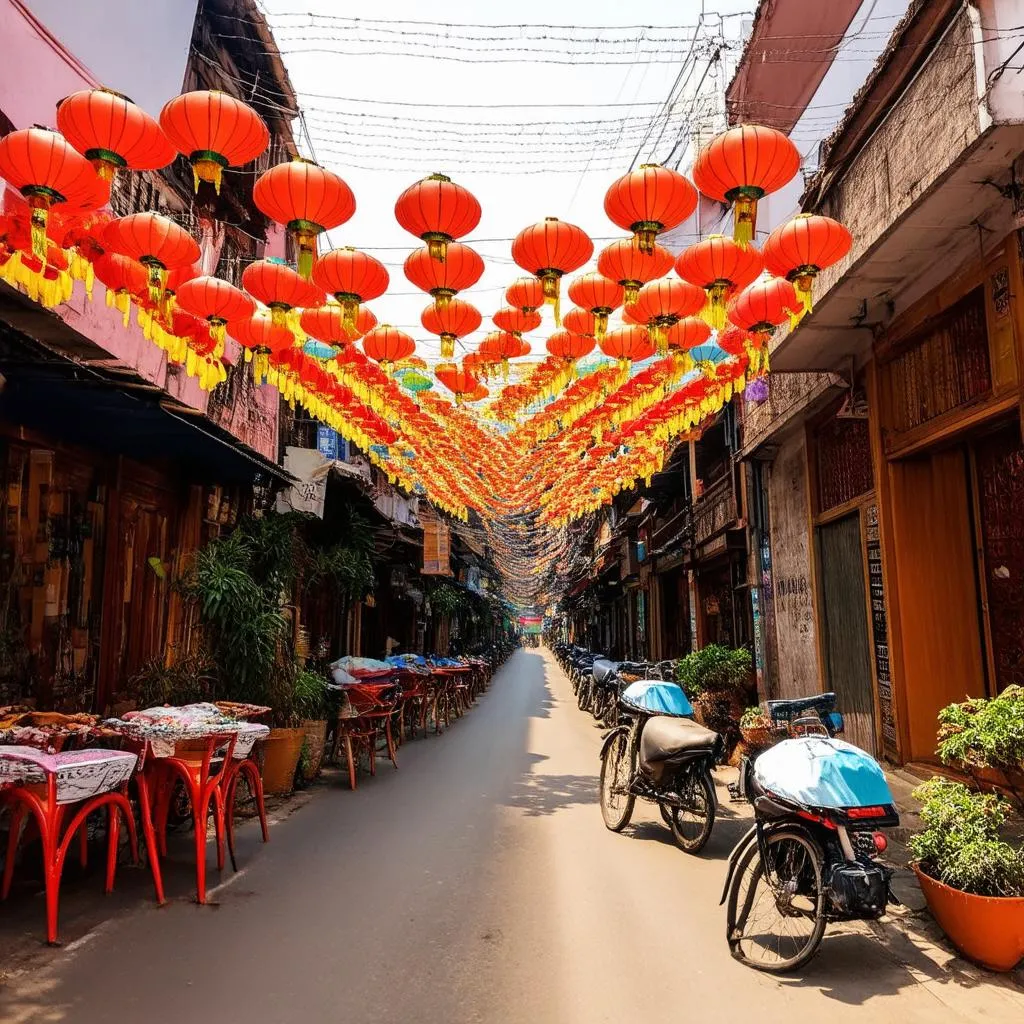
(819, 772)
(658, 697)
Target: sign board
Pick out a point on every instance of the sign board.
(329, 444)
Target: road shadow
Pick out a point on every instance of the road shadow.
(538, 794)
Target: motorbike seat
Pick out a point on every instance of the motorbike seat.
(665, 738)
(785, 710)
(604, 670)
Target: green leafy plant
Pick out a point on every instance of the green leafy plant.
(714, 668)
(448, 599)
(311, 696)
(755, 718)
(187, 681)
(960, 844)
(984, 733)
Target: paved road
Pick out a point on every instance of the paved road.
(477, 883)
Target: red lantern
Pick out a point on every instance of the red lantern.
(501, 346)
(623, 261)
(156, 242)
(581, 322)
(627, 345)
(599, 295)
(525, 293)
(460, 382)
(549, 249)
(308, 200)
(461, 269)
(387, 345)
(276, 285)
(743, 165)
(261, 338)
(663, 303)
(690, 332)
(216, 302)
(47, 172)
(733, 340)
(801, 248)
(123, 278)
(214, 130)
(762, 306)
(454, 321)
(515, 321)
(570, 347)
(649, 200)
(112, 132)
(327, 324)
(352, 277)
(438, 211)
(720, 267)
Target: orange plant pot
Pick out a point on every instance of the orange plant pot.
(281, 757)
(986, 929)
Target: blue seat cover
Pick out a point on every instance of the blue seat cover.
(819, 772)
(659, 697)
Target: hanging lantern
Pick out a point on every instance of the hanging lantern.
(277, 286)
(690, 332)
(352, 277)
(478, 394)
(387, 345)
(627, 344)
(175, 279)
(599, 295)
(123, 278)
(261, 338)
(216, 302)
(157, 243)
(462, 268)
(308, 200)
(663, 303)
(743, 165)
(570, 347)
(326, 323)
(548, 250)
(501, 346)
(437, 211)
(624, 262)
(580, 321)
(214, 130)
(112, 132)
(525, 293)
(47, 171)
(758, 310)
(721, 267)
(801, 248)
(454, 321)
(649, 200)
(515, 321)
(733, 340)
(459, 382)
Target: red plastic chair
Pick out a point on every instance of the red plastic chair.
(374, 705)
(47, 788)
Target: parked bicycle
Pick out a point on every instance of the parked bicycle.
(812, 855)
(660, 754)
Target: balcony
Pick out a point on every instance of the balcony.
(715, 510)
(673, 534)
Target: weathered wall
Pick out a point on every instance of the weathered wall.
(792, 594)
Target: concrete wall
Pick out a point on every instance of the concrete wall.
(792, 595)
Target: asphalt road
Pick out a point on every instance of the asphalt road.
(477, 883)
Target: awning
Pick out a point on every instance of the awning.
(118, 413)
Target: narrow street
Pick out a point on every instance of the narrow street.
(477, 883)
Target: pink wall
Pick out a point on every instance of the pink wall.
(36, 72)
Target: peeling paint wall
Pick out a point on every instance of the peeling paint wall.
(792, 593)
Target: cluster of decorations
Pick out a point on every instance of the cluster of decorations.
(570, 441)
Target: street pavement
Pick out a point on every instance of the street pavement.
(478, 883)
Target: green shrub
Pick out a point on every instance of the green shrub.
(715, 668)
(960, 844)
(983, 733)
(311, 698)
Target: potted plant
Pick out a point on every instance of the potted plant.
(715, 679)
(756, 728)
(312, 706)
(972, 879)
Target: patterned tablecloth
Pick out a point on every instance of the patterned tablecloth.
(162, 728)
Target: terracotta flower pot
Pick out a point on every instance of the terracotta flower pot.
(281, 757)
(986, 929)
(316, 739)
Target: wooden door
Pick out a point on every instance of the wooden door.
(846, 647)
(934, 553)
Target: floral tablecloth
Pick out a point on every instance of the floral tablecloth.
(162, 728)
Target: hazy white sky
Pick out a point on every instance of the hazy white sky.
(512, 195)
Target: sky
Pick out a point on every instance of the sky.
(552, 170)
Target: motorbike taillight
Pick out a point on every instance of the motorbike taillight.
(881, 843)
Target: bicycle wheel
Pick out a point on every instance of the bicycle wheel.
(776, 919)
(616, 800)
(583, 700)
(691, 824)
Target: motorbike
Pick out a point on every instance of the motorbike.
(811, 857)
(660, 753)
